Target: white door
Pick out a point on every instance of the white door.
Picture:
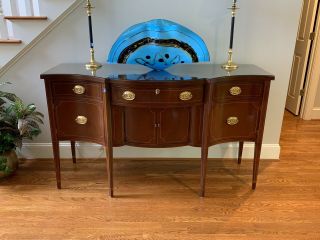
(301, 55)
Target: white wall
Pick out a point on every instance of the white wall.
(265, 35)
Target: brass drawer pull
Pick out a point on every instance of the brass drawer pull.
(128, 96)
(185, 96)
(81, 120)
(157, 92)
(235, 91)
(78, 89)
(232, 121)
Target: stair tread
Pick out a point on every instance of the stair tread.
(13, 41)
(26, 17)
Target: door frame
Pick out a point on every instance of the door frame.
(313, 75)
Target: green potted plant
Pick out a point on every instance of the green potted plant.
(17, 122)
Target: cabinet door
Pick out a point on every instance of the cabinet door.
(174, 125)
(140, 126)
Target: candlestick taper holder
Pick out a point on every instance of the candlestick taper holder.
(93, 64)
(230, 65)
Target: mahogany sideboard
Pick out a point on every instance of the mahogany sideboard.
(194, 104)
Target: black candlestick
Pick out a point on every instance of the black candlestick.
(229, 66)
(92, 65)
(232, 32)
(90, 31)
(233, 19)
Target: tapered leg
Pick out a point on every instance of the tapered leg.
(108, 140)
(257, 152)
(109, 159)
(56, 153)
(240, 152)
(204, 164)
(73, 150)
(205, 139)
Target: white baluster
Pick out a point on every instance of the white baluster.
(1, 10)
(29, 7)
(14, 7)
(36, 10)
(3, 25)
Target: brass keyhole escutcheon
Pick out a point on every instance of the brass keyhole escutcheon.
(232, 121)
(185, 96)
(78, 89)
(157, 91)
(128, 96)
(81, 120)
(235, 91)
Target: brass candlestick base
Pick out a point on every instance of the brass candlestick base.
(92, 65)
(230, 66)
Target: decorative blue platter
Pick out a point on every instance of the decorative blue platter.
(158, 44)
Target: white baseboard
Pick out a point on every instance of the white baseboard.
(86, 150)
(315, 115)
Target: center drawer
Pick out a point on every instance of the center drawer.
(157, 94)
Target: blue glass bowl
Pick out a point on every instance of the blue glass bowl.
(158, 44)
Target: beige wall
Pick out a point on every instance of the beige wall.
(265, 35)
(317, 100)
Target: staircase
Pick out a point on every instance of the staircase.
(23, 23)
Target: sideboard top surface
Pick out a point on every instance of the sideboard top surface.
(181, 72)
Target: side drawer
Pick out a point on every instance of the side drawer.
(80, 120)
(231, 121)
(78, 89)
(129, 96)
(229, 90)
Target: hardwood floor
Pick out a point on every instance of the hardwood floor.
(157, 200)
